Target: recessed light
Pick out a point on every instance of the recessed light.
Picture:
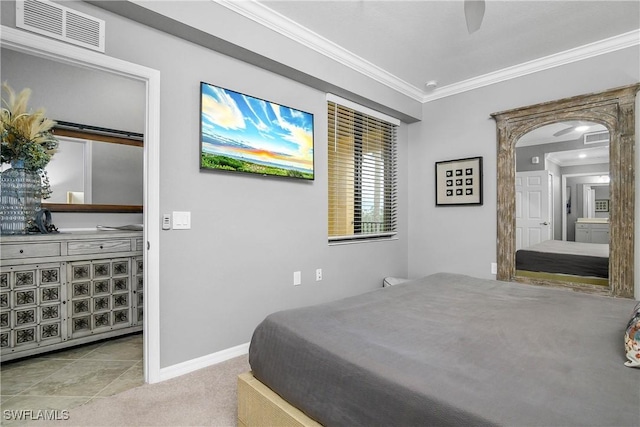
(431, 84)
(582, 128)
(582, 155)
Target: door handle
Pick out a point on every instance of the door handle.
(544, 223)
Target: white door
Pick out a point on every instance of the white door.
(533, 208)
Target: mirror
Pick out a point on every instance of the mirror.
(575, 157)
(559, 236)
(613, 109)
(96, 172)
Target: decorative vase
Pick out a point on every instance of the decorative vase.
(20, 198)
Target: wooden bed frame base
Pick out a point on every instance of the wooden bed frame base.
(258, 406)
(578, 283)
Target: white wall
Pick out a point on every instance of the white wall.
(463, 239)
(249, 233)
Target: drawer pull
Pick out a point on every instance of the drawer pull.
(101, 247)
(21, 251)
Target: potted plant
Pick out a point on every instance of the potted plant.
(27, 144)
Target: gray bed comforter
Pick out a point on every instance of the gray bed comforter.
(453, 350)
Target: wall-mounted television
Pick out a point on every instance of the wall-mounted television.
(242, 133)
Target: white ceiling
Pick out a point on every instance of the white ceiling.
(419, 41)
(410, 43)
(587, 156)
(584, 155)
(547, 134)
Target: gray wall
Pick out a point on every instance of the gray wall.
(463, 239)
(219, 279)
(249, 233)
(524, 154)
(117, 174)
(89, 97)
(75, 94)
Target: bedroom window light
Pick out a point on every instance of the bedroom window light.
(362, 159)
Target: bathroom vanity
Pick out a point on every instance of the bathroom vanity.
(64, 289)
(592, 230)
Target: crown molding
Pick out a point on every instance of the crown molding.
(273, 20)
(622, 41)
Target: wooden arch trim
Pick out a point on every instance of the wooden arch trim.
(614, 109)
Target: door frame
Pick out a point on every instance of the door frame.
(54, 50)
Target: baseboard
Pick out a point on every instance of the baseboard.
(202, 362)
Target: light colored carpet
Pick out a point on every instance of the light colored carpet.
(206, 397)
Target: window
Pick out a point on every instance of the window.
(362, 172)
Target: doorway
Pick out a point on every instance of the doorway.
(57, 51)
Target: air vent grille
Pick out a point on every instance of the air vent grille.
(59, 22)
(595, 137)
(83, 29)
(45, 16)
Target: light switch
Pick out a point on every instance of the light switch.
(181, 220)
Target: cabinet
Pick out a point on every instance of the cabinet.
(61, 290)
(592, 232)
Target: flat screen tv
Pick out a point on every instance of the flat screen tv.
(245, 134)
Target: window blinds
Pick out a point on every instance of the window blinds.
(362, 161)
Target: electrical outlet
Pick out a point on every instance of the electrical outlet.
(297, 278)
(494, 268)
(318, 274)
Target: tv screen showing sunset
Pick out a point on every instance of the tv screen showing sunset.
(241, 133)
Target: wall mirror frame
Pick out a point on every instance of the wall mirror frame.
(614, 109)
(101, 135)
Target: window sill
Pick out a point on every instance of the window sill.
(362, 240)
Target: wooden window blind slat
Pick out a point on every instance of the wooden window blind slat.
(362, 161)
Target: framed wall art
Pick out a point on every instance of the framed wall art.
(602, 205)
(459, 182)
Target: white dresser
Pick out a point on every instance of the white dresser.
(592, 230)
(60, 290)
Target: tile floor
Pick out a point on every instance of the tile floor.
(69, 378)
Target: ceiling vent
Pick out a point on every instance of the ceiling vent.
(595, 137)
(59, 22)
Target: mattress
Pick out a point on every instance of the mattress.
(453, 350)
(556, 256)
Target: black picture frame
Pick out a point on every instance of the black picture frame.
(459, 182)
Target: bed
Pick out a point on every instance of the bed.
(445, 350)
(570, 259)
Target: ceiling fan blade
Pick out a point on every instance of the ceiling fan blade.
(564, 131)
(473, 13)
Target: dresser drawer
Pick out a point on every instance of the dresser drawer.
(88, 247)
(579, 226)
(30, 250)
